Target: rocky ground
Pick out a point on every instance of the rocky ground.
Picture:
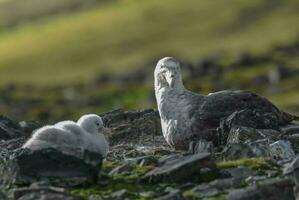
(252, 160)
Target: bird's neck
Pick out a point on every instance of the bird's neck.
(168, 100)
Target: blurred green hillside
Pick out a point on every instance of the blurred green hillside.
(127, 33)
(51, 51)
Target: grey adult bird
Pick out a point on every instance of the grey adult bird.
(186, 115)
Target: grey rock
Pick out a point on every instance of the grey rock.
(10, 129)
(289, 168)
(237, 151)
(131, 125)
(215, 187)
(273, 189)
(46, 195)
(147, 194)
(254, 179)
(240, 172)
(12, 144)
(175, 195)
(259, 148)
(63, 167)
(124, 168)
(256, 119)
(204, 191)
(282, 150)
(226, 183)
(29, 126)
(170, 158)
(181, 169)
(119, 195)
(42, 191)
(290, 129)
(201, 146)
(241, 134)
(144, 160)
(95, 197)
(294, 140)
(3, 196)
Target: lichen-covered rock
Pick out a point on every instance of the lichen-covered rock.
(29, 126)
(201, 146)
(10, 129)
(273, 189)
(43, 193)
(63, 167)
(282, 150)
(259, 148)
(175, 195)
(130, 126)
(240, 172)
(182, 169)
(242, 134)
(291, 167)
(12, 144)
(252, 123)
(290, 129)
(3, 196)
(213, 188)
(252, 118)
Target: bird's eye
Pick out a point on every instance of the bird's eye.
(164, 71)
(98, 124)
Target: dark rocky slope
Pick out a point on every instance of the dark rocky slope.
(248, 163)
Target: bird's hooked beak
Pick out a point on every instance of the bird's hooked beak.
(170, 78)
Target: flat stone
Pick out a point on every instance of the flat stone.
(182, 169)
(143, 160)
(274, 190)
(259, 148)
(290, 129)
(215, 187)
(47, 195)
(3, 196)
(282, 150)
(176, 195)
(63, 167)
(131, 125)
(124, 168)
(240, 172)
(29, 126)
(201, 146)
(289, 168)
(204, 191)
(10, 129)
(252, 118)
(119, 195)
(241, 134)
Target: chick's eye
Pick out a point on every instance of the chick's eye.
(98, 124)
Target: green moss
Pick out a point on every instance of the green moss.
(109, 165)
(252, 163)
(190, 195)
(128, 181)
(218, 197)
